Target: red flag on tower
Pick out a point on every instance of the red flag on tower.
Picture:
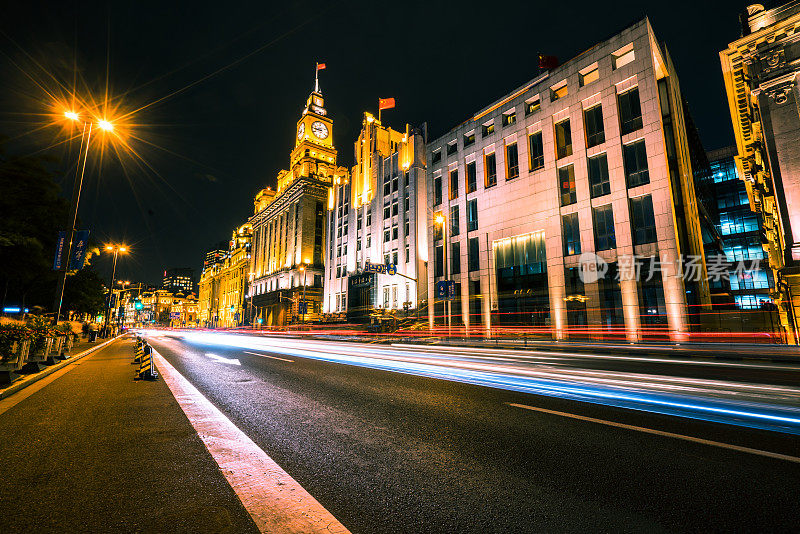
(385, 103)
(320, 66)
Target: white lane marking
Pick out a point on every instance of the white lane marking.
(275, 501)
(220, 359)
(738, 448)
(267, 356)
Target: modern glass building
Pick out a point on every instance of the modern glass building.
(740, 229)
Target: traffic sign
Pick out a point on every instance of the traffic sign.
(446, 290)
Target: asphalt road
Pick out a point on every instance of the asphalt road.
(392, 452)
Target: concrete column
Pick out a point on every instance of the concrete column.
(630, 307)
(558, 308)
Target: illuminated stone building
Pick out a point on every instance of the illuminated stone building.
(378, 217)
(588, 157)
(762, 78)
(288, 251)
(223, 284)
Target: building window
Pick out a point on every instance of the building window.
(387, 186)
(512, 161)
(387, 233)
(452, 148)
(593, 121)
(369, 217)
(623, 56)
(566, 182)
(438, 260)
(490, 168)
(563, 139)
(454, 221)
(643, 220)
(437, 230)
(469, 138)
(386, 297)
(536, 152)
(472, 215)
(395, 229)
(408, 254)
(509, 118)
(437, 156)
(588, 75)
(455, 258)
(487, 129)
(635, 159)
(453, 184)
(394, 207)
(473, 259)
(599, 184)
(630, 111)
(406, 227)
(558, 91)
(533, 105)
(572, 234)
(437, 190)
(603, 220)
(394, 257)
(387, 210)
(471, 177)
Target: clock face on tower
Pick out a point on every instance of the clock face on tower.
(301, 130)
(319, 129)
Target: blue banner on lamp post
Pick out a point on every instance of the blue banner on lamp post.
(62, 237)
(78, 255)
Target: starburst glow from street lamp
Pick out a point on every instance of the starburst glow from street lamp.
(71, 115)
(105, 125)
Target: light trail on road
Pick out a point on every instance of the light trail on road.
(761, 406)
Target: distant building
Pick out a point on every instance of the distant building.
(378, 218)
(589, 157)
(762, 78)
(216, 254)
(179, 279)
(288, 262)
(223, 285)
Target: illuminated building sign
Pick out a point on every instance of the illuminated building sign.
(389, 268)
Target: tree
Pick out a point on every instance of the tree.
(84, 292)
(31, 212)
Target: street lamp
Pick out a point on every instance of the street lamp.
(441, 220)
(115, 249)
(83, 154)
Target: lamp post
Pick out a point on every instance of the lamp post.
(115, 249)
(83, 154)
(441, 220)
(123, 289)
(305, 309)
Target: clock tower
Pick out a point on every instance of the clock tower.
(313, 155)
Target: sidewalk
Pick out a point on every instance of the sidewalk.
(20, 381)
(89, 449)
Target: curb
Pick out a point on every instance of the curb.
(25, 382)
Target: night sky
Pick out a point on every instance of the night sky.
(239, 72)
